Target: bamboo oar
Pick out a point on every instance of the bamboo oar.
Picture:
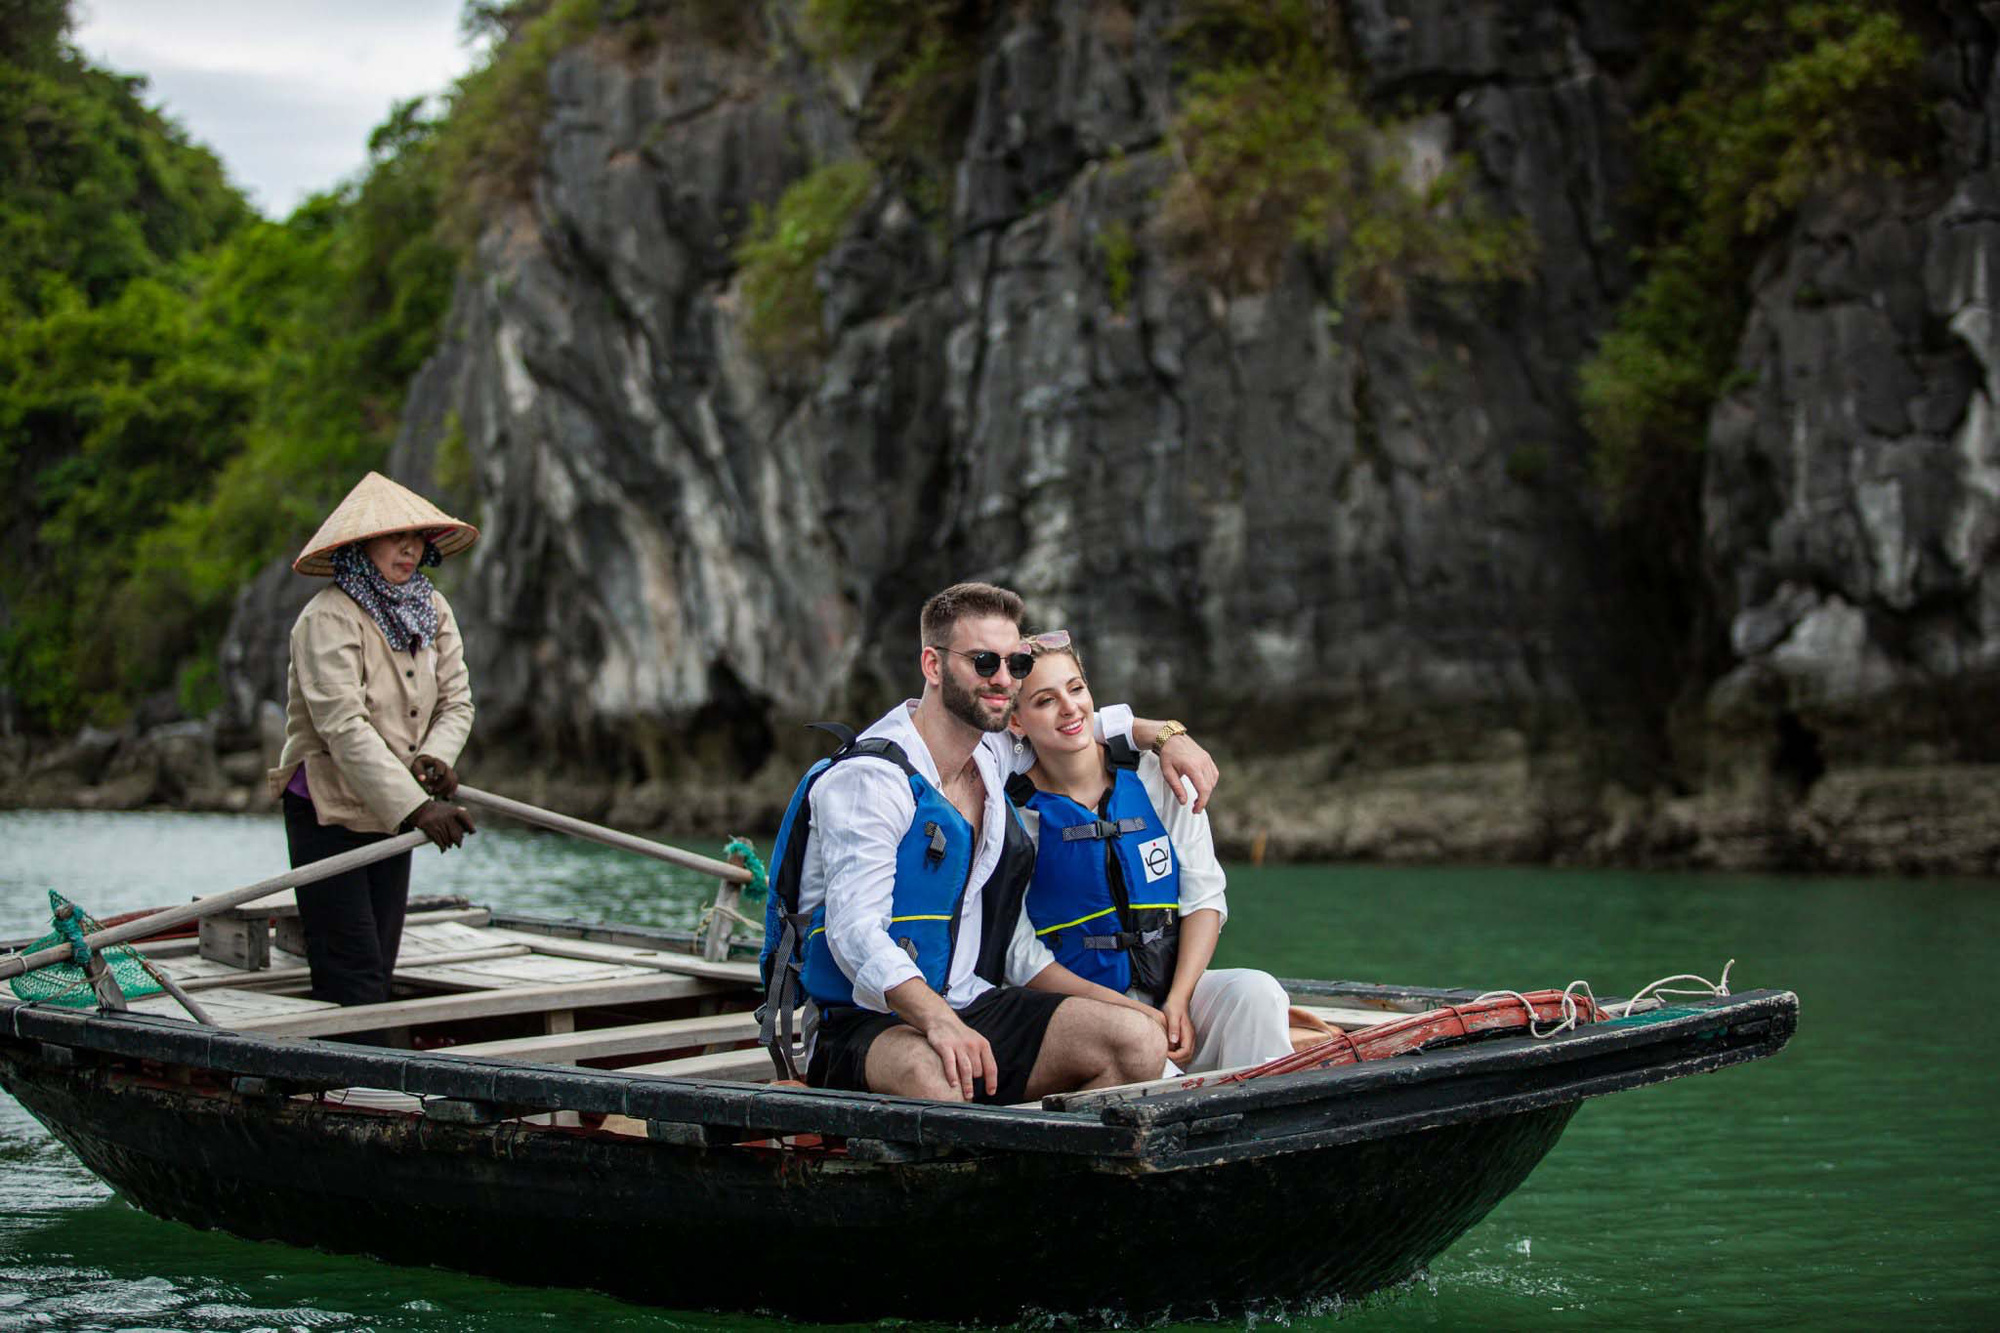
(610, 837)
(14, 964)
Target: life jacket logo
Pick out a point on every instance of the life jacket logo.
(1158, 858)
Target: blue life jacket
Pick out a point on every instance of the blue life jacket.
(1107, 888)
(933, 872)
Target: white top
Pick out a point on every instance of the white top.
(1202, 880)
(860, 812)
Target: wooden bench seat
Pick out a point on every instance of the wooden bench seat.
(549, 1000)
(748, 1066)
(608, 1043)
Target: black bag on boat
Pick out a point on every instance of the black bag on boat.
(783, 954)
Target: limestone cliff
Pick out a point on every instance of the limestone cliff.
(1352, 546)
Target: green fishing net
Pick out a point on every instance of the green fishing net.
(65, 983)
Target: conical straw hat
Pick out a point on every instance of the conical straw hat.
(374, 507)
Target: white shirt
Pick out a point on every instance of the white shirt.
(861, 809)
(1202, 880)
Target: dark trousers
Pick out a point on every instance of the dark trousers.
(353, 923)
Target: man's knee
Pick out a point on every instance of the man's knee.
(902, 1063)
(1134, 1043)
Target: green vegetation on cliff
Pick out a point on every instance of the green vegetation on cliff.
(1755, 105)
(1276, 151)
(780, 260)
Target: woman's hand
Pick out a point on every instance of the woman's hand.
(1180, 1030)
(435, 775)
(444, 824)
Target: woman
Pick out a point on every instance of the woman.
(1127, 899)
(377, 708)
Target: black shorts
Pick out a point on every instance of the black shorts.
(1012, 1020)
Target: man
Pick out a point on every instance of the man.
(912, 879)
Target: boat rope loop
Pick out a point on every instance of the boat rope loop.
(69, 926)
(1571, 1016)
(760, 879)
(1661, 987)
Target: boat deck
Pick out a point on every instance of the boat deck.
(511, 989)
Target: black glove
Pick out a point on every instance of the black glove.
(435, 775)
(443, 823)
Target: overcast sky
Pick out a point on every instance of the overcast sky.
(283, 91)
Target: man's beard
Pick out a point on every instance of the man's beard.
(963, 704)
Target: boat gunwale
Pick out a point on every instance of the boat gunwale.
(1516, 1049)
(1282, 1113)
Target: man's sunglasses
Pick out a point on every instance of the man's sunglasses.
(985, 662)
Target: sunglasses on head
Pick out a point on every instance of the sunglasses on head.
(985, 662)
(1054, 641)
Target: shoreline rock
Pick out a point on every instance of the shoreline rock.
(1521, 809)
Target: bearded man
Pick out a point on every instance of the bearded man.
(912, 878)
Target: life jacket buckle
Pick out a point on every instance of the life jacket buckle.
(935, 853)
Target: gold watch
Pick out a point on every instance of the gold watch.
(1168, 730)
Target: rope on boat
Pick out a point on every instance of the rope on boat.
(1710, 988)
(714, 910)
(68, 983)
(760, 880)
(71, 928)
(1571, 1015)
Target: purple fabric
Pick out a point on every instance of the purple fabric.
(297, 786)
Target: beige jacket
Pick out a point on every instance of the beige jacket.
(356, 713)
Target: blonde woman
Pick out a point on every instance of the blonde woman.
(1127, 898)
(377, 709)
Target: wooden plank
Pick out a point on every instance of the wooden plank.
(607, 1043)
(751, 1066)
(1346, 1018)
(194, 969)
(659, 959)
(285, 902)
(1350, 1018)
(168, 948)
(521, 968)
(174, 948)
(484, 1004)
(194, 974)
(433, 937)
(237, 1007)
(270, 979)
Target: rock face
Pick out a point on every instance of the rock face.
(1235, 502)
(1349, 546)
(1852, 505)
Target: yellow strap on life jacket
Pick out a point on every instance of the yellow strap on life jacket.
(1079, 921)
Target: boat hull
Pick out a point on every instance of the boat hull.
(985, 1237)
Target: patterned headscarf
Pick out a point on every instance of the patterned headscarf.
(407, 615)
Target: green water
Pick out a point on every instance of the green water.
(1848, 1183)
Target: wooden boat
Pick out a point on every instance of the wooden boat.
(585, 1105)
